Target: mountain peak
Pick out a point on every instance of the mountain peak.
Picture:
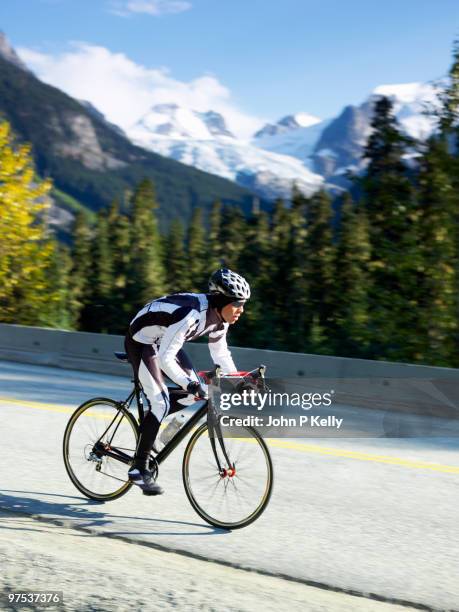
(406, 93)
(174, 121)
(9, 54)
(215, 123)
(298, 120)
(287, 124)
(413, 105)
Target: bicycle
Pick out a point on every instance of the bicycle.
(101, 438)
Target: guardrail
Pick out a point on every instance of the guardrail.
(94, 353)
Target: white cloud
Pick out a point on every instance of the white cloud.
(124, 91)
(124, 8)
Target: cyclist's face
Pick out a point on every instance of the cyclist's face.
(231, 313)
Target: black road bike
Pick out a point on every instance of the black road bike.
(228, 480)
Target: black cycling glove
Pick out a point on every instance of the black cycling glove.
(198, 389)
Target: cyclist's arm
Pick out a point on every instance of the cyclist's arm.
(219, 351)
(172, 341)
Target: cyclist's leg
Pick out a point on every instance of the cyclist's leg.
(144, 360)
(179, 402)
(157, 395)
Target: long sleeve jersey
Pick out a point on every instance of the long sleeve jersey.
(172, 320)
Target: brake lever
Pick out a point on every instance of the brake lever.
(257, 376)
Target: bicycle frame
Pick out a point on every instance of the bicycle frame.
(208, 408)
(182, 433)
(170, 446)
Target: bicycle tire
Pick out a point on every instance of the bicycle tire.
(192, 494)
(68, 461)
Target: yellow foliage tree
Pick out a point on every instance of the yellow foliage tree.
(25, 248)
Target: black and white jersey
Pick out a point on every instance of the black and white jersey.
(172, 320)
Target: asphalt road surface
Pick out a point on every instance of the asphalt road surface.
(376, 518)
(128, 577)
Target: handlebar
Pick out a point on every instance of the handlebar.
(215, 374)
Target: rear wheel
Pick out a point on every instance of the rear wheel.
(237, 495)
(100, 441)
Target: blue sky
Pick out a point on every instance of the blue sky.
(262, 58)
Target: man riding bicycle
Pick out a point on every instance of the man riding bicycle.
(154, 344)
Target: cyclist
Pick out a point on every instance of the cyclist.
(154, 344)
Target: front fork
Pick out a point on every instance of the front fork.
(215, 432)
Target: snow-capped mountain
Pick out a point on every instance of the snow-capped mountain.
(340, 145)
(412, 101)
(293, 135)
(203, 140)
(332, 147)
(287, 124)
(299, 149)
(175, 122)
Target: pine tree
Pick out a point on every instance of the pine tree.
(25, 248)
(96, 313)
(276, 294)
(146, 279)
(393, 221)
(350, 307)
(319, 271)
(57, 314)
(255, 327)
(80, 277)
(176, 262)
(232, 236)
(449, 133)
(317, 339)
(296, 327)
(104, 259)
(438, 239)
(196, 266)
(119, 308)
(448, 112)
(214, 245)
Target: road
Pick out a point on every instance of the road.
(375, 517)
(127, 577)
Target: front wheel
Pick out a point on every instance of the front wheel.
(100, 441)
(236, 495)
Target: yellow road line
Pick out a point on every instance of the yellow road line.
(50, 408)
(37, 405)
(349, 454)
(287, 444)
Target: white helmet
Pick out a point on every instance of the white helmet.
(229, 283)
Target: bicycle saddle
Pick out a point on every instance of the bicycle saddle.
(121, 356)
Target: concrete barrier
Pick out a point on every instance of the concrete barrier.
(94, 352)
(62, 349)
(379, 382)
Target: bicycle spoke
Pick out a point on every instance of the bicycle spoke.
(233, 500)
(212, 493)
(216, 475)
(239, 493)
(99, 421)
